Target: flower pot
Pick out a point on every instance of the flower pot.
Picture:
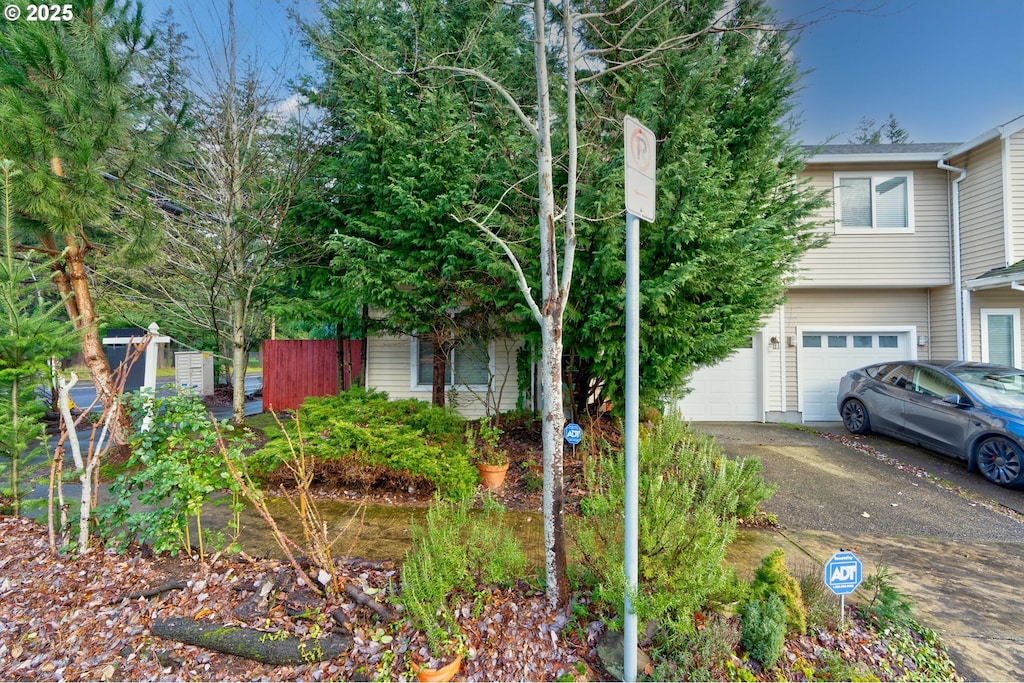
(493, 476)
(445, 673)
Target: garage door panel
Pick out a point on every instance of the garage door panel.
(727, 392)
(826, 356)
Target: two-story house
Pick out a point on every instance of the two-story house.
(925, 259)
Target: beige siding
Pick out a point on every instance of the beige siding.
(942, 338)
(1016, 194)
(918, 259)
(850, 309)
(981, 210)
(989, 298)
(389, 368)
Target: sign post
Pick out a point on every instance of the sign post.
(573, 434)
(640, 156)
(843, 573)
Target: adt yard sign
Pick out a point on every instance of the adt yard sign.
(843, 573)
(573, 433)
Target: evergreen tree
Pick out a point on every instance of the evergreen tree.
(32, 332)
(73, 118)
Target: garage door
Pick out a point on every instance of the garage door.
(824, 357)
(727, 392)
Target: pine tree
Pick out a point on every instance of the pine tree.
(73, 118)
(32, 331)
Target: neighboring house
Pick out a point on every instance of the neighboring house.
(481, 376)
(925, 259)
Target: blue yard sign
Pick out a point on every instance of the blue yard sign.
(843, 573)
(573, 433)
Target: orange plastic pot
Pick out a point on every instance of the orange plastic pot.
(445, 673)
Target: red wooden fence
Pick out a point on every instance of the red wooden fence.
(295, 369)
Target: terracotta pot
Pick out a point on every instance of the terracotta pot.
(493, 476)
(445, 673)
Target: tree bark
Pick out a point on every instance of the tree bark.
(73, 284)
(239, 362)
(440, 367)
(269, 648)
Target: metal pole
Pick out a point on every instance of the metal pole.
(632, 441)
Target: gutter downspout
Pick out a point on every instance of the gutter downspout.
(961, 338)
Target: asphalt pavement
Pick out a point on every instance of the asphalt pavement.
(955, 541)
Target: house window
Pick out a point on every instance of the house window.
(1000, 336)
(469, 364)
(875, 201)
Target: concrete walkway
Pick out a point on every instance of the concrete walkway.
(960, 558)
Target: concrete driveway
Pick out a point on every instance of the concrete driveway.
(958, 547)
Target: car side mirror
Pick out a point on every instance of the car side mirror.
(957, 400)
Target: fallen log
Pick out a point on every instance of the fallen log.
(240, 641)
(361, 598)
(150, 592)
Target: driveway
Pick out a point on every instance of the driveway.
(958, 548)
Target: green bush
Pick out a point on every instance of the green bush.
(407, 436)
(773, 578)
(689, 497)
(174, 470)
(822, 604)
(454, 551)
(888, 606)
(763, 629)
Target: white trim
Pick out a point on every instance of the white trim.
(875, 158)
(968, 340)
(873, 176)
(1014, 313)
(785, 352)
(1007, 193)
(909, 330)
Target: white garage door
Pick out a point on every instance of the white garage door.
(824, 357)
(727, 392)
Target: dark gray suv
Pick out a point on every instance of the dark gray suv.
(971, 411)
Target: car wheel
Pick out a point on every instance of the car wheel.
(855, 417)
(1001, 462)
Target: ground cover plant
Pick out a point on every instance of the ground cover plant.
(361, 439)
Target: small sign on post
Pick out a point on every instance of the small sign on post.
(573, 433)
(843, 573)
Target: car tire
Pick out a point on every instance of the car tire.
(1001, 462)
(855, 417)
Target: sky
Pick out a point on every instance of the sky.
(948, 70)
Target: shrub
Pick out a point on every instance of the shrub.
(763, 627)
(380, 439)
(773, 578)
(454, 551)
(822, 604)
(888, 606)
(174, 469)
(689, 496)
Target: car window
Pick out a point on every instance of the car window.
(996, 386)
(933, 383)
(897, 374)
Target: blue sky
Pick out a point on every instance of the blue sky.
(947, 69)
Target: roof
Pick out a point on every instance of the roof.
(998, 277)
(909, 152)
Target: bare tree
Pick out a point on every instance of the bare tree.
(231, 193)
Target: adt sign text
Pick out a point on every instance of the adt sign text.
(843, 573)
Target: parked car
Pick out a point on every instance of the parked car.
(971, 411)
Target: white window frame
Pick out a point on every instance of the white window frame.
(875, 177)
(414, 361)
(1015, 314)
